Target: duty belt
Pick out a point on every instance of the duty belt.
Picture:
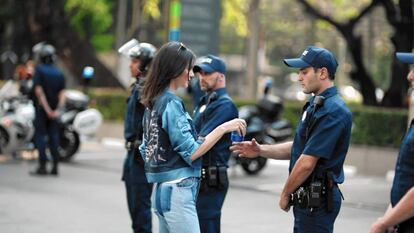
(132, 145)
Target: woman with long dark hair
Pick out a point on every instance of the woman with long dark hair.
(171, 148)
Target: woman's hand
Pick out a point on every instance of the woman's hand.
(237, 124)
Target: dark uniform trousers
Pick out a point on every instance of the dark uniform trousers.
(47, 132)
(209, 203)
(213, 109)
(319, 220)
(406, 226)
(138, 192)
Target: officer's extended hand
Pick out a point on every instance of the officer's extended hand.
(248, 149)
(284, 202)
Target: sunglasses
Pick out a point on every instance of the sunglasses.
(181, 48)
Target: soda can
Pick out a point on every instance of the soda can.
(236, 137)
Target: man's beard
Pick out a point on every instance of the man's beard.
(208, 90)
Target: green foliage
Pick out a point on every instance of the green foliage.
(102, 42)
(111, 103)
(151, 9)
(92, 19)
(233, 26)
(378, 126)
(341, 10)
(292, 112)
(287, 29)
(234, 16)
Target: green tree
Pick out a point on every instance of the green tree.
(233, 26)
(91, 20)
(399, 16)
(46, 20)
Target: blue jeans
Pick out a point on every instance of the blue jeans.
(175, 206)
(318, 221)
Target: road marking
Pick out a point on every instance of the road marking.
(112, 142)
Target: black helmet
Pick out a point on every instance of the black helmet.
(43, 52)
(145, 52)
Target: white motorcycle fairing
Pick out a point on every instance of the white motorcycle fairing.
(87, 122)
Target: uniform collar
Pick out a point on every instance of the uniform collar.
(329, 92)
(219, 92)
(326, 93)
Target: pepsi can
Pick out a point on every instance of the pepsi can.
(236, 137)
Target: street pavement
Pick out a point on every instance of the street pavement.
(89, 197)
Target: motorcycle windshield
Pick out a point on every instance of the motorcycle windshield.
(9, 89)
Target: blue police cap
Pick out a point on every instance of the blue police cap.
(210, 64)
(314, 57)
(405, 57)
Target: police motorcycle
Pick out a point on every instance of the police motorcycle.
(17, 114)
(76, 120)
(264, 124)
(16, 121)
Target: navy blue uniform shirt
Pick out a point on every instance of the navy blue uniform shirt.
(52, 81)
(218, 108)
(404, 170)
(330, 136)
(133, 116)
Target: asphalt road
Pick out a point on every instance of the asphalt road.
(89, 197)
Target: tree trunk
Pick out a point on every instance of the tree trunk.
(402, 40)
(136, 20)
(359, 74)
(252, 48)
(46, 20)
(121, 23)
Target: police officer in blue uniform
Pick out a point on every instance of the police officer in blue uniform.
(318, 150)
(214, 108)
(138, 189)
(401, 210)
(49, 85)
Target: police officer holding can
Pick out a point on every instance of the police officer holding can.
(138, 189)
(214, 108)
(318, 150)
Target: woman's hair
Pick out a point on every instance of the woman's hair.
(169, 62)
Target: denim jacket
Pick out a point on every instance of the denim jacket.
(169, 141)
